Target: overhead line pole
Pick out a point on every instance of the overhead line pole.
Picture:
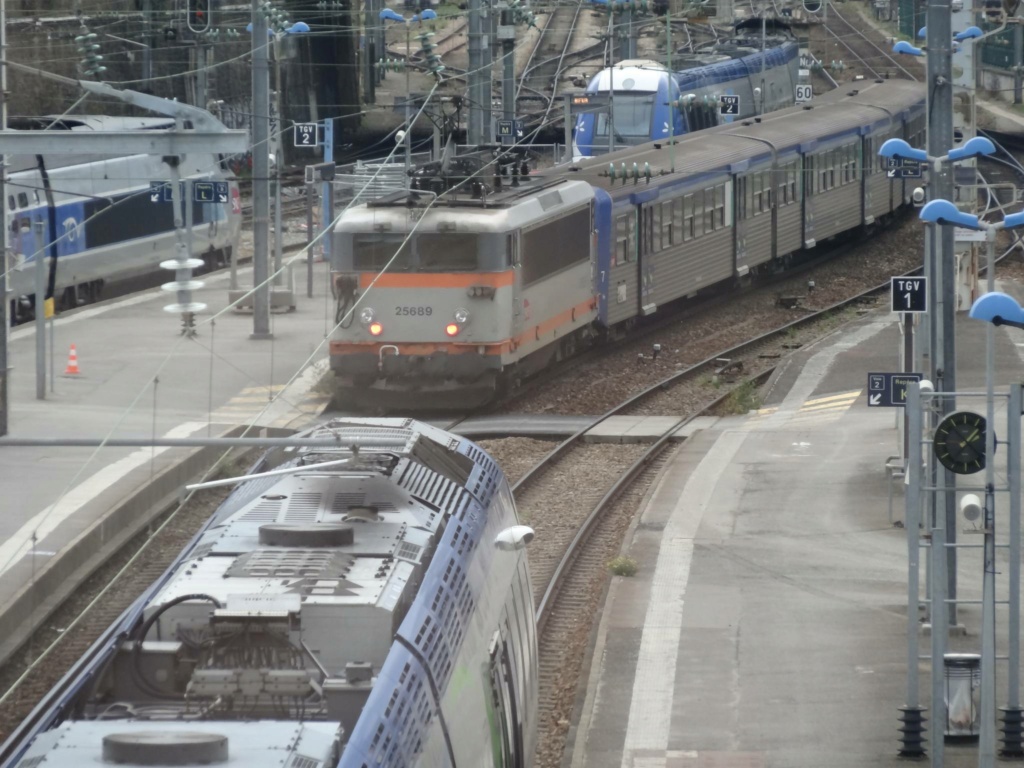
(260, 174)
(4, 303)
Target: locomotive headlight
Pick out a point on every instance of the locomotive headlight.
(366, 316)
(376, 329)
(461, 316)
(452, 329)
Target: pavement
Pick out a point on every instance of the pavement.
(767, 624)
(65, 508)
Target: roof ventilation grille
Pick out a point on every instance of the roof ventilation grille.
(319, 535)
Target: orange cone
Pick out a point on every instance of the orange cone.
(72, 368)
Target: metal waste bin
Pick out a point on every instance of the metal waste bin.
(963, 691)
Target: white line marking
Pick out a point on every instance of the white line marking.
(48, 520)
(650, 709)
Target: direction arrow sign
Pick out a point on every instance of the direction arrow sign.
(909, 294)
(900, 168)
(889, 390)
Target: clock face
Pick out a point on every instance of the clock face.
(960, 442)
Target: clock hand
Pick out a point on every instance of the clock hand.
(973, 436)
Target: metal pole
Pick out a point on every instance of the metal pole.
(309, 240)
(326, 191)
(508, 93)
(912, 517)
(671, 108)
(1018, 59)
(908, 362)
(567, 113)
(611, 108)
(4, 302)
(987, 736)
(370, 18)
(189, 216)
(940, 187)
(408, 106)
(940, 629)
(260, 174)
(278, 122)
(1013, 457)
(201, 81)
(53, 362)
(40, 304)
(475, 127)
(147, 38)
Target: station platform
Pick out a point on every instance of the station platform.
(767, 622)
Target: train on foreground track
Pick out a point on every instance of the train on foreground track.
(448, 293)
(363, 604)
(95, 220)
(761, 73)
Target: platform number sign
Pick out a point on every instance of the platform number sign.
(729, 105)
(306, 135)
(889, 390)
(909, 294)
(804, 93)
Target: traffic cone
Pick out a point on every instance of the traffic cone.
(72, 369)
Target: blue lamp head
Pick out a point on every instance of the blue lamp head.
(971, 33)
(427, 14)
(944, 212)
(922, 33)
(298, 28)
(904, 47)
(387, 14)
(999, 309)
(979, 145)
(900, 149)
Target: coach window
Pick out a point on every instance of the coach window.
(22, 200)
(720, 206)
(678, 231)
(621, 239)
(709, 210)
(688, 232)
(655, 230)
(669, 234)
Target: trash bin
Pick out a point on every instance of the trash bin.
(963, 691)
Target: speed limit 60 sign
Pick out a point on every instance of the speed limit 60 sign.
(804, 93)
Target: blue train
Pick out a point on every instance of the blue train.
(645, 94)
(95, 217)
(364, 602)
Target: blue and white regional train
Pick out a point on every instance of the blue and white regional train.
(762, 80)
(94, 217)
(361, 604)
(442, 301)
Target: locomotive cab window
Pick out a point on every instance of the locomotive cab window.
(446, 252)
(372, 253)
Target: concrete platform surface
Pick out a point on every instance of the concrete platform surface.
(767, 624)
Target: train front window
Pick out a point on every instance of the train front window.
(372, 253)
(447, 252)
(633, 112)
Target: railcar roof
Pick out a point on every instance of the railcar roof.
(727, 147)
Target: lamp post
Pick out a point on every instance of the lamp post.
(389, 15)
(939, 268)
(945, 212)
(263, 15)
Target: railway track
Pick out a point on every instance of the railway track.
(547, 60)
(867, 46)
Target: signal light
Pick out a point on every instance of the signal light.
(376, 329)
(198, 16)
(452, 329)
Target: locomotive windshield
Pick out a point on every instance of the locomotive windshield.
(633, 112)
(429, 252)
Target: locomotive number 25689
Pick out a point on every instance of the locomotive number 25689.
(420, 311)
